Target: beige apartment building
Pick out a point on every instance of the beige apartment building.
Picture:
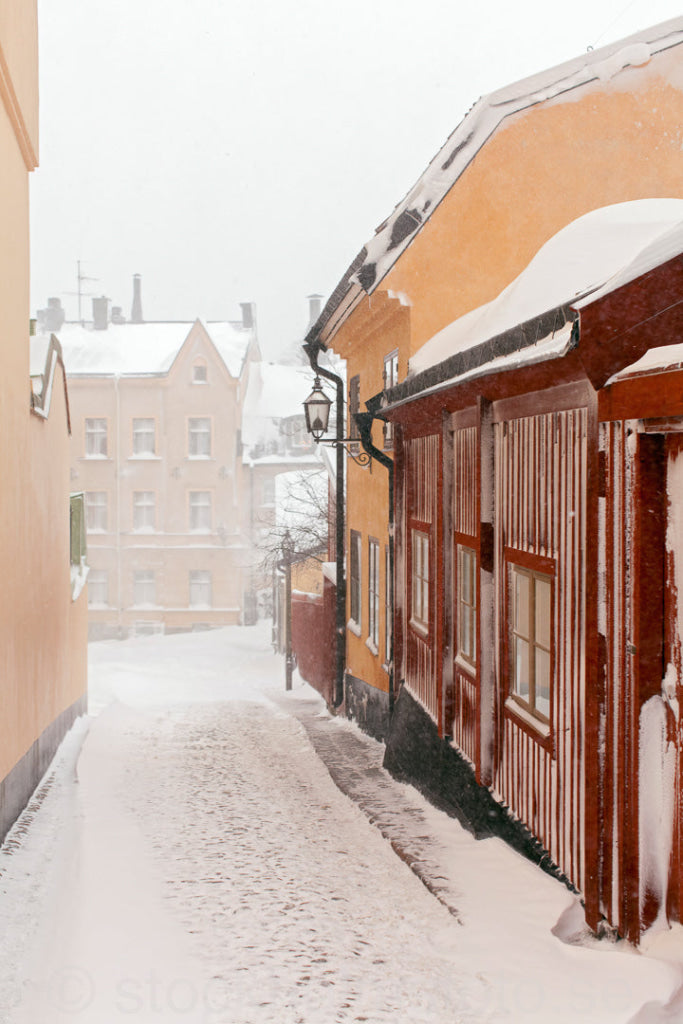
(156, 412)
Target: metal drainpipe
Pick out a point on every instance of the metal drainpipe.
(365, 421)
(312, 350)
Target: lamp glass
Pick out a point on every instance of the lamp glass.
(317, 409)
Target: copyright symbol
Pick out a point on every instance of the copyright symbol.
(71, 990)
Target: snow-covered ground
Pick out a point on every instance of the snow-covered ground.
(189, 858)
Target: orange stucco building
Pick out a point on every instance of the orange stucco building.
(43, 617)
(527, 160)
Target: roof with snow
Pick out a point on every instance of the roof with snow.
(531, 319)
(395, 234)
(147, 348)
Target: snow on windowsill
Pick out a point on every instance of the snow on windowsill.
(79, 576)
(372, 646)
(517, 709)
(353, 627)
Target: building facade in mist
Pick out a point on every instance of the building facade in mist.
(43, 620)
(157, 451)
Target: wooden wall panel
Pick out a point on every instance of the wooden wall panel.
(540, 500)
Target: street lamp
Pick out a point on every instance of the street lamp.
(317, 410)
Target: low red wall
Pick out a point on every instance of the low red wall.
(313, 632)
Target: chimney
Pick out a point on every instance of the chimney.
(136, 310)
(314, 306)
(248, 315)
(117, 316)
(100, 313)
(52, 318)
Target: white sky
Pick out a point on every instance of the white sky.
(245, 150)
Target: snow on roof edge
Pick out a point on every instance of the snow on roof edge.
(500, 104)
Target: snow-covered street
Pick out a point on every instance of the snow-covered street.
(193, 860)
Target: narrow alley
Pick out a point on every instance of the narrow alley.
(188, 857)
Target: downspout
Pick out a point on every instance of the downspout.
(312, 350)
(365, 421)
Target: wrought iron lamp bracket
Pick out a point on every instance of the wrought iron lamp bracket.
(360, 458)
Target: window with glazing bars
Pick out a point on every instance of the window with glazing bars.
(96, 437)
(420, 579)
(199, 437)
(354, 577)
(373, 592)
(531, 595)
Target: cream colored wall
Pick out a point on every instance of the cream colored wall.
(172, 551)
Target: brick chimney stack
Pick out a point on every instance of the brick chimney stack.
(136, 310)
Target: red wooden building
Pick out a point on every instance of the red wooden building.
(539, 551)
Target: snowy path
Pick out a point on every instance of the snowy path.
(205, 868)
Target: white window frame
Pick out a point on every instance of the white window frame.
(373, 594)
(96, 437)
(525, 636)
(466, 648)
(420, 579)
(200, 588)
(199, 437)
(96, 511)
(355, 581)
(388, 612)
(98, 588)
(390, 379)
(144, 429)
(144, 588)
(200, 511)
(144, 511)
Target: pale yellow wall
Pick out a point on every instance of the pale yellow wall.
(542, 169)
(42, 667)
(19, 73)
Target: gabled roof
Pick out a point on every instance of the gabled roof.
(396, 233)
(148, 348)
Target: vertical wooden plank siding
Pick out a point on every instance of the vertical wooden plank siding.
(540, 508)
(465, 725)
(422, 479)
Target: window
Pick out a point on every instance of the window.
(200, 588)
(144, 511)
(144, 436)
(354, 577)
(144, 587)
(390, 381)
(77, 529)
(199, 374)
(420, 579)
(268, 491)
(200, 511)
(96, 511)
(388, 613)
(199, 437)
(531, 596)
(354, 407)
(96, 438)
(373, 593)
(98, 588)
(467, 604)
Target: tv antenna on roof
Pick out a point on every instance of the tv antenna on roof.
(80, 278)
